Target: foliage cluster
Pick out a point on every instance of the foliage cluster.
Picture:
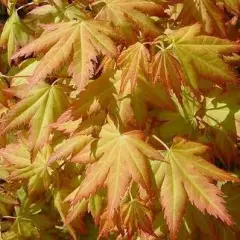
(120, 119)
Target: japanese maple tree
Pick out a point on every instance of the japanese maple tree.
(120, 119)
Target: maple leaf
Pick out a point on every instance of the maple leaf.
(133, 61)
(18, 162)
(119, 12)
(77, 42)
(167, 70)
(68, 126)
(70, 147)
(115, 150)
(206, 12)
(28, 223)
(43, 105)
(15, 34)
(84, 107)
(205, 226)
(199, 55)
(136, 216)
(96, 97)
(187, 177)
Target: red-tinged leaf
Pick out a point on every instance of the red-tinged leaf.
(88, 104)
(136, 216)
(70, 147)
(68, 127)
(167, 70)
(187, 177)
(108, 225)
(173, 196)
(202, 160)
(134, 61)
(77, 43)
(21, 167)
(119, 12)
(200, 56)
(206, 12)
(77, 210)
(16, 154)
(93, 100)
(116, 150)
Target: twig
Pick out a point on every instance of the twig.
(159, 140)
(26, 5)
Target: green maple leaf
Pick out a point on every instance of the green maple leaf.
(42, 106)
(15, 34)
(96, 205)
(20, 73)
(187, 177)
(200, 56)
(136, 216)
(30, 221)
(20, 166)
